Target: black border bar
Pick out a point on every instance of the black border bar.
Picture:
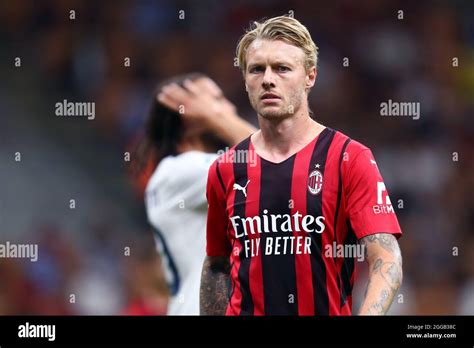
(148, 330)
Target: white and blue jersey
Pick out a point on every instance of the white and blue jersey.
(176, 207)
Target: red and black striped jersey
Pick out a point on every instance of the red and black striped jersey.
(279, 224)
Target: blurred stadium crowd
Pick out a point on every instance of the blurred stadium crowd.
(426, 56)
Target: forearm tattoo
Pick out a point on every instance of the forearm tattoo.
(215, 286)
(385, 273)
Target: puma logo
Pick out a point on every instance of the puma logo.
(243, 189)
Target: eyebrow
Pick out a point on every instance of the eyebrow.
(278, 62)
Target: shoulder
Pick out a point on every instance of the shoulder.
(349, 149)
(357, 163)
(181, 168)
(349, 144)
(350, 153)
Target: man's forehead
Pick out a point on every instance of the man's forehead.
(262, 49)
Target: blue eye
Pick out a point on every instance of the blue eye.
(283, 68)
(256, 69)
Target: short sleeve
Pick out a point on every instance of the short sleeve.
(368, 204)
(217, 242)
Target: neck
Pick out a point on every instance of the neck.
(191, 144)
(287, 135)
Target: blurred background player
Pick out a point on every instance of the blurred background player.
(189, 121)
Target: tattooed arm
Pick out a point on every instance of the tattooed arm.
(385, 273)
(215, 285)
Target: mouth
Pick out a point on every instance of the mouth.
(269, 98)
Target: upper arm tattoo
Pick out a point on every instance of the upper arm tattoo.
(386, 241)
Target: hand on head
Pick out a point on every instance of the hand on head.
(199, 101)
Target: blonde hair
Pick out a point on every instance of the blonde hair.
(283, 28)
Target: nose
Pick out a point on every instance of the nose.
(268, 78)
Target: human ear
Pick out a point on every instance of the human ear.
(311, 77)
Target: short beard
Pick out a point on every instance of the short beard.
(275, 114)
(284, 112)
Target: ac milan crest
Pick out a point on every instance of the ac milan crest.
(315, 182)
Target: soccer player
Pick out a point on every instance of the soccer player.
(189, 121)
(274, 222)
